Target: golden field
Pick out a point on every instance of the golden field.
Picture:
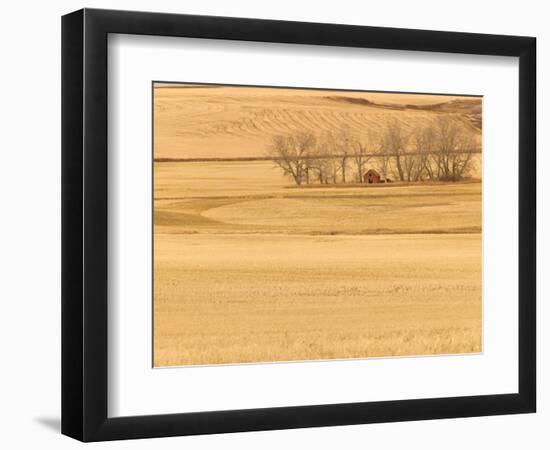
(197, 121)
(248, 268)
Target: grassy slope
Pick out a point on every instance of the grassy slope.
(239, 122)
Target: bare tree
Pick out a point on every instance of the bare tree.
(316, 163)
(383, 162)
(291, 153)
(441, 151)
(395, 142)
(332, 169)
(428, 162)
(455, 147)
(417, 160)
(363, 149)
(324, 159)
(344, 142)
(410, 165)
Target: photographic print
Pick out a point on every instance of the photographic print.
(295, 224)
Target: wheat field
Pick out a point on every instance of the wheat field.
(243, 298)
(250, 268)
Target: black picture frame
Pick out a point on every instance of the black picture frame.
(84, 224)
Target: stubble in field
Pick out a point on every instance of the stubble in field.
(248, 270)
(249, 267)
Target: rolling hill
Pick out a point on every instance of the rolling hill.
(199, 121)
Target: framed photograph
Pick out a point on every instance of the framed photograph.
(273, 225)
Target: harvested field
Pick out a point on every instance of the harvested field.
(249, 267)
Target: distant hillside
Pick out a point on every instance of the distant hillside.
(231, 122)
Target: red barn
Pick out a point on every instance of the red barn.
(371, 176)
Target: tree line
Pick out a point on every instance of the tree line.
(441, 151)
